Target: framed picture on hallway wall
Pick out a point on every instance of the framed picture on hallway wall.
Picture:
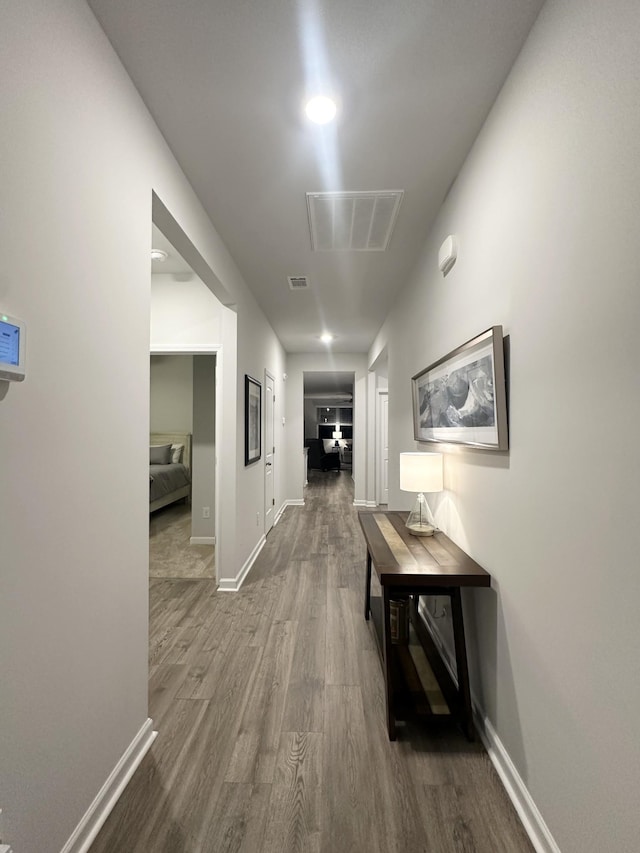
(461, 398)
(252, 420)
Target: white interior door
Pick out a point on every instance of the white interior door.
(269, 456)
(383, 444)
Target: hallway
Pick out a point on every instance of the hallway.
(270, 711)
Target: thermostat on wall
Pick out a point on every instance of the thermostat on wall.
(13, 343)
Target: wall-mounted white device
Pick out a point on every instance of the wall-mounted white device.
(13, 343)
(447, 254)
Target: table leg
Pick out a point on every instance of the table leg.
(367, 588)
(388, 669)
(466, 711)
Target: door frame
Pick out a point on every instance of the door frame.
(269, 405)
(379, 461)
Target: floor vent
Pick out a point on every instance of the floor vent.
(352, 221)
(298, 282)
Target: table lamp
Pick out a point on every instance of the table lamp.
(337, 434)
(421, 472)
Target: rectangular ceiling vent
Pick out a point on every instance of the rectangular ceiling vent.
(298, 282)
(353, 221)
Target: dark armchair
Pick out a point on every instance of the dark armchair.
(320, 460)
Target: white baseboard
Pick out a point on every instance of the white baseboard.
(234, 584)
(529, 814)
(370, 504)
(285, 504)
(86, 831)
(202, 540)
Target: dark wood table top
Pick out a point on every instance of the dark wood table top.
(402, 559)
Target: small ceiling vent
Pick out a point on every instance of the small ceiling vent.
(298, 282)
(353, 221)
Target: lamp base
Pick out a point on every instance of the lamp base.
(420, 520)
(421, 529)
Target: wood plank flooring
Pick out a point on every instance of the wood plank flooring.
(269, 705)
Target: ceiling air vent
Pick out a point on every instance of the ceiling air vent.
(298, 282)
(353, 221)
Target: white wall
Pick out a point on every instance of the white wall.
(546, 210)
(184, 314)
(259, 352)
(79, 159)
(171, 393)
(297, 365)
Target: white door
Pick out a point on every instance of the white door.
(383, 457)
(269, 477)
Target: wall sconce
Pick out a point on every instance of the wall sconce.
(421, 472)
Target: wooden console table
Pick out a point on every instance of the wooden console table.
(408, 566)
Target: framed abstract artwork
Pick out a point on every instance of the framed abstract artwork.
(252, 420)
(461, 398)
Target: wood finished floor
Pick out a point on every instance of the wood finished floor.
(270, 711)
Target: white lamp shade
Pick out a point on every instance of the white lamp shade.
(421, 472)
(337, 434)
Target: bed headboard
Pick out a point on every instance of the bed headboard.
(175, 438)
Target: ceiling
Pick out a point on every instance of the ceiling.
(329, 387)
(225, 82)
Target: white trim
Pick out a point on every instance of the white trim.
(285, 504)
(370, 504)
(380, 394)
(532, 821)
(234, 584)
(529, 814)
(86, 831)
(269, 506)
(202, 540)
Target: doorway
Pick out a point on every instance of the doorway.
(182, 420)
(329, 420)
(183, 392)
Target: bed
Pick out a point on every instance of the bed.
(169, 468)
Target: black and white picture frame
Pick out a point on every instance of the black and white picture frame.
(461, 398)
(252, 420)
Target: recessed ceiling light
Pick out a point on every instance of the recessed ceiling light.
(321, 109)
(159, 255)
(326, 338)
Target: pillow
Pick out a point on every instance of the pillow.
(176, 452)
(159, 454)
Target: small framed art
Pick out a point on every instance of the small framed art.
(252, 420)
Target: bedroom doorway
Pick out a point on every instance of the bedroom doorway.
(192, 313)
(183, 425)
(185, 353)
